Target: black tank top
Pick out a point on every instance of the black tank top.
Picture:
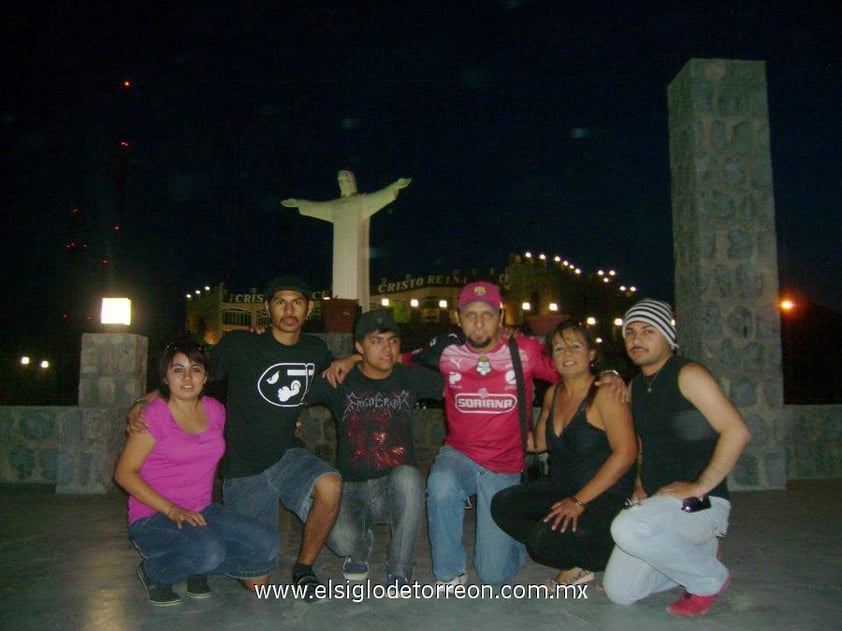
(678, 442)
(579, 452)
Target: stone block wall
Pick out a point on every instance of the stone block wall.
(815, 442)
(72, 447)
(29, 443)
(724, 244)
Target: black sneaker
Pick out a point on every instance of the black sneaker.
(306, 585)
(197, 586)
(159, 594)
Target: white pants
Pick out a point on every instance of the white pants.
(658, 546)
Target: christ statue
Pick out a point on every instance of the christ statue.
(350, 215)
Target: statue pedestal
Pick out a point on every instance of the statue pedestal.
(339, 315)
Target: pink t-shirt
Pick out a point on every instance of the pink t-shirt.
(181, 466)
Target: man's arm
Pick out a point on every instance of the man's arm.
(700, 388)
(428, 356)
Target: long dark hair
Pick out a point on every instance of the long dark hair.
(195, 352)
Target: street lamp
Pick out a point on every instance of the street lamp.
(116, 311)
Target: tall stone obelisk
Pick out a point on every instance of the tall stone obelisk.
(726, 270)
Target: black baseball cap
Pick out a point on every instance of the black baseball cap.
(288, 282)
(374, 321)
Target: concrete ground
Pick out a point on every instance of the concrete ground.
(65, 563)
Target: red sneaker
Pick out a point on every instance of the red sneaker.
(694, 605)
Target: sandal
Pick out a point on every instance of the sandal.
(307, 584)
(572, 576)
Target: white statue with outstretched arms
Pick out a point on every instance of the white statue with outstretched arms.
(350, 215)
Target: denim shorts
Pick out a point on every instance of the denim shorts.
(290, 480)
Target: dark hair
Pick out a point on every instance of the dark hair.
(195, 352)
(590, 343)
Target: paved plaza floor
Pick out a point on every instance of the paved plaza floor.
(66, 563)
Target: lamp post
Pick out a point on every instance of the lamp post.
(116, 311)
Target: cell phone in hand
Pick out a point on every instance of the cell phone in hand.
(695, 504)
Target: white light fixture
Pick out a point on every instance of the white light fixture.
(384, 302)
(553, 306)
(116, 311)
(526, 306)
(442, 304)
(44, 364)
(413, 302)
(618, 321)
(25, 360)
(591, 321)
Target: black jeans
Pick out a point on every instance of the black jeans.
(520, 510)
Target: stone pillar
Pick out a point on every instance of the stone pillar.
(112, 376)
(726, 271)
(113, 369)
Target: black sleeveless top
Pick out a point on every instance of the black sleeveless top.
(678, 441)
(579, 452)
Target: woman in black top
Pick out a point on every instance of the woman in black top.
(564, 519)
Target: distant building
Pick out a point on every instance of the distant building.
(534, 289)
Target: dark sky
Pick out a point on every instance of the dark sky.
(534, 125)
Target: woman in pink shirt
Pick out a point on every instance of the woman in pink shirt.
(169, 472)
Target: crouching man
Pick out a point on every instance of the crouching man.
(373, 408)
(691, 437)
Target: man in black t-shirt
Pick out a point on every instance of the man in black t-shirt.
(268, 379)
(373, 408)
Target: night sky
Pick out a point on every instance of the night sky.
(525, 125)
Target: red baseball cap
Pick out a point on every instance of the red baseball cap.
(480, 291)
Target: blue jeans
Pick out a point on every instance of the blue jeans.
(453, 478)
(396, 499)
(289, 480)
(229, 544)
(659, 546)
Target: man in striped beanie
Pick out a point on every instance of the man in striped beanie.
(691, 437)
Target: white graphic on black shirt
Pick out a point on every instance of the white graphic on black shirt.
(285, 385)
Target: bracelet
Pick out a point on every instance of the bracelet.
(578, 502)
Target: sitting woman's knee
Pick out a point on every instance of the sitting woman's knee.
(503, 503)
(208, 554)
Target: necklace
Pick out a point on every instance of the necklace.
(649, 381)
